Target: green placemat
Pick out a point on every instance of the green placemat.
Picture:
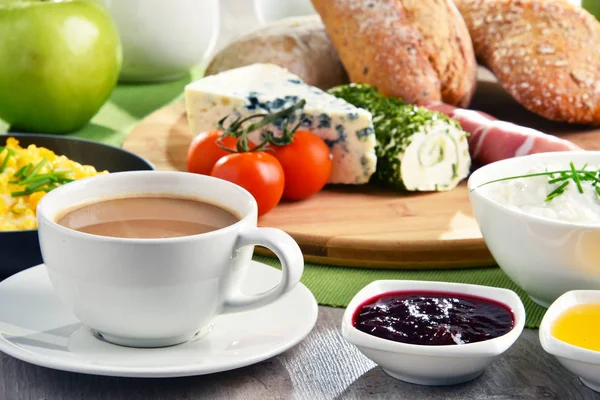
(335, 286)
(331, 286)
(127, 106)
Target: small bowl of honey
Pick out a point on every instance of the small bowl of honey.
(569, 331)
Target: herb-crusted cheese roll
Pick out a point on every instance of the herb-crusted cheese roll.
(417, 149)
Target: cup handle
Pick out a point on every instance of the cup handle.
(292, 263)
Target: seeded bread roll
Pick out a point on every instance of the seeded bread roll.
(418, 50)
(299, 44)
(545, 53)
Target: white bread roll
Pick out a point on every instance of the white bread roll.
(299, 44)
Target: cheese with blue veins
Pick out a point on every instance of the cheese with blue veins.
(263, 88)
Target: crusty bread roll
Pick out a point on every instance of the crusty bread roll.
(418, 50)
(545, 53)
(299, 44)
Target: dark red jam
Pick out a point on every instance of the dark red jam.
(433, 318)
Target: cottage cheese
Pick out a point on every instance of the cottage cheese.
(529, 195)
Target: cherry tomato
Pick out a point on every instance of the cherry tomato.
(204, 151)
(257, 172)
(306, 163)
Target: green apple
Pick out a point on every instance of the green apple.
(593, 6)
(59, 62)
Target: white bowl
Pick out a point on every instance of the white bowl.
(544, 257)
(582, 362)
(432, 365)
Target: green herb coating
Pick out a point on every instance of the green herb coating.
(395, 123)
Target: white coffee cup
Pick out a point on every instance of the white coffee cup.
(163, 39)
(158, 292)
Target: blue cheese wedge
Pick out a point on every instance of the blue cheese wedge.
(263, 88)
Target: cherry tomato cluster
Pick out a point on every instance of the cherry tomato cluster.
(270, 172)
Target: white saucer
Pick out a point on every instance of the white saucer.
(35, 327)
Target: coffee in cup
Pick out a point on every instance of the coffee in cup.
(145, 216)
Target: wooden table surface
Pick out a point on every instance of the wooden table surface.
(323, 366)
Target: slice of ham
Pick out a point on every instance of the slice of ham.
(493, 140)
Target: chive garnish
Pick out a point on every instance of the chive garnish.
(556, 180)
(557, 192)
(37, 167)
(38, 183)
(508, 178)
(34, 178)
(576, 177)
(9, 153)
(20, 171)
(29, 177)
(26, 170)
(591, 177)
(564, 177)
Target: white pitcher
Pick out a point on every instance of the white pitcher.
(163, 39)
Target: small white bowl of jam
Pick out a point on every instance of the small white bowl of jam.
(433, 333)
(570, 331)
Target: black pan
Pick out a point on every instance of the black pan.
(20, 249)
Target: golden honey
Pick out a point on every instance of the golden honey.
(579, 326)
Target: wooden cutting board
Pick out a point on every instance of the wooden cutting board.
(369, 226)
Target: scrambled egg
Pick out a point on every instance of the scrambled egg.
(18, 201)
